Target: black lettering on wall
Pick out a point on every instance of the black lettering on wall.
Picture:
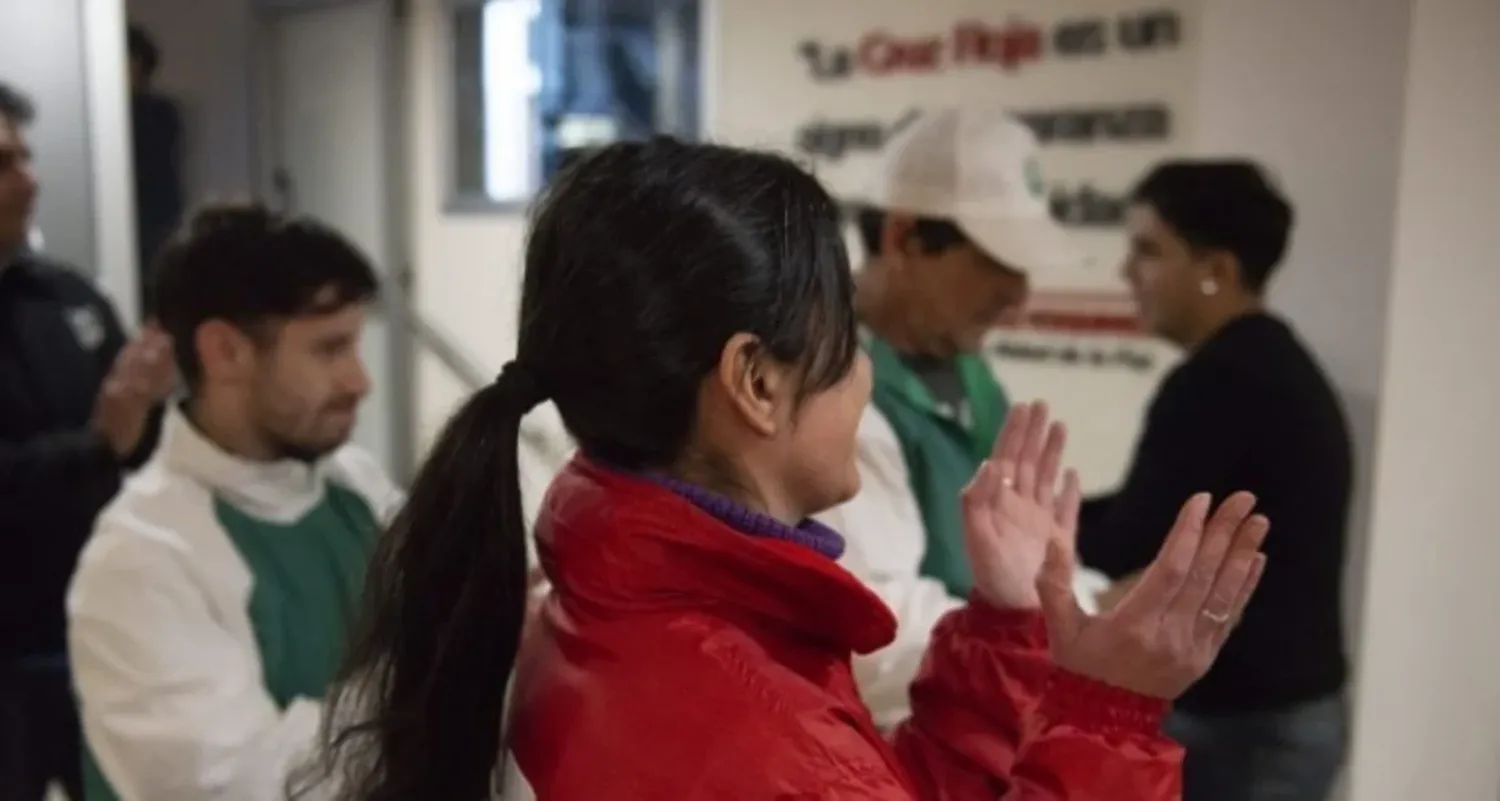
(826, 63)
(1125, 124)
(1080, 38)
(1087, 207)
(1150, 30)
(833, 140)
(1105, 354)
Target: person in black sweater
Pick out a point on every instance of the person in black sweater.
(78, 406)
(1248, 408)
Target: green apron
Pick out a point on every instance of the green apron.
(308, 579)
(941, 453)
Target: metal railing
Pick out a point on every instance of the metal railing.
(434, 340)
(431, 337)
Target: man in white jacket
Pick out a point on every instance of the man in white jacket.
(211, 605)
(955, 230)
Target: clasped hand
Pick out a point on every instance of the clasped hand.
(1163, 635)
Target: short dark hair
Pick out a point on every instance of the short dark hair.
(1226, 205)
(644, 259)
(142, 49)
(15, 106)
(252, 267)
(935, 235)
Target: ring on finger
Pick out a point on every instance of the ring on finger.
(1215, 617)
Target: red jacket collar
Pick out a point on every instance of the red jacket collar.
(622, 544)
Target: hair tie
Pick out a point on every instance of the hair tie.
(521, 386)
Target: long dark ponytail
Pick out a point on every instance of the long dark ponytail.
(642, 261)
(417, 710)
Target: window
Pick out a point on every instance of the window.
(536, 81)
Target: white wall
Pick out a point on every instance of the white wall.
(1428, 724)
(41, 53)
(110, 160)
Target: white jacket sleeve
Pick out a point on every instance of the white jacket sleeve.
(885, 541)
(358, 468)
(172, 702)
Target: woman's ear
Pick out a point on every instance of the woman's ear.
(754, 384)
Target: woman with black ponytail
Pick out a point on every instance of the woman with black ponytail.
(688, 309)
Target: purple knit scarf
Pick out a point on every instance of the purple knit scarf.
(809, 533)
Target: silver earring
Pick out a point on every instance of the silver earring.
(1209, 287)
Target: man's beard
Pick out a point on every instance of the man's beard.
(301, 450)
(305, 453)
(291, 433)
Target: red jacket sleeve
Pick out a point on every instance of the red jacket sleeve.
(991, 717)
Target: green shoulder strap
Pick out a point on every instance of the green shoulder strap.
(987, 403)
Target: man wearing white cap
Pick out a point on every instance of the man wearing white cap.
(955, 228)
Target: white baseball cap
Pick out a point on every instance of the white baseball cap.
(977, 167)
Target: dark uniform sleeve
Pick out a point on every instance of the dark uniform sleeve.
(70, 468)
(1193, 436)
(75, 468)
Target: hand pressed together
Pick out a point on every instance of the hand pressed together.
(1168, 628)
(1011, 510)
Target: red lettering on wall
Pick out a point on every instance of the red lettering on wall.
(881, 53)
(1078, 323)
(1006, 47)
(970, 41)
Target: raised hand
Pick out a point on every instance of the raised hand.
(143, 375)
(1012, 511)
(1167, 630)
(147, 364)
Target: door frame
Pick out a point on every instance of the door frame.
(395, 263)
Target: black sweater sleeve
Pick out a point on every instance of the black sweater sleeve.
(1093, 511)
(1190, 442)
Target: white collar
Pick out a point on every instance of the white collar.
(280, 491)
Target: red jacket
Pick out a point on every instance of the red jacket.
(678, 659)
